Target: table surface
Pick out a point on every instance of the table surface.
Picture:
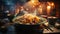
(55, 30)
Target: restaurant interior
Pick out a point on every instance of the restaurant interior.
(29, 16)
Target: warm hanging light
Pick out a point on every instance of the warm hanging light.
(35, 2)
(48, 10)
(48, 7)
(52, 4)
(32, 1)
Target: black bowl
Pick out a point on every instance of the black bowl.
(28, 29)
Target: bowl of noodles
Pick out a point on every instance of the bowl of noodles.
(28, 23)
(27, 19)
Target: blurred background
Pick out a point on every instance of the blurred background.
(49, 9)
